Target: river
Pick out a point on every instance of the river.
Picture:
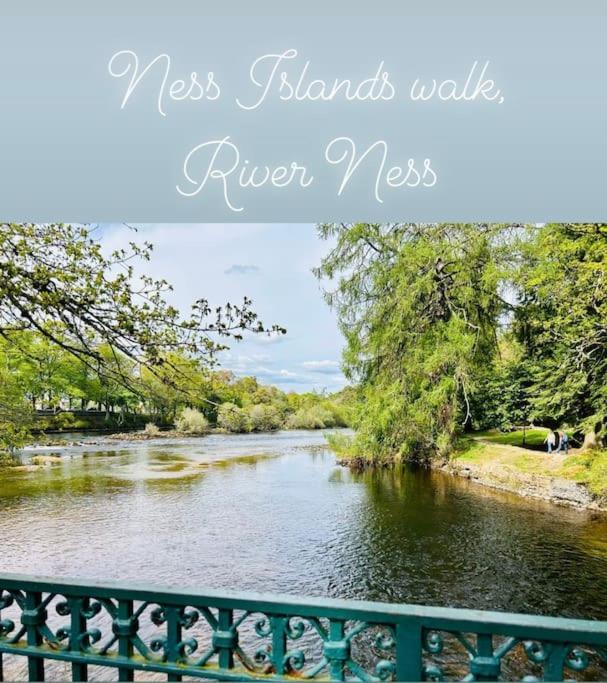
(275, 513)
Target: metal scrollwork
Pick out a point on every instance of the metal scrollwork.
(263, 628)
(269, 640)
(6, 600)
(432, 672)
(384, 640)
(433, 642)
(159, 644)
(92, 610)
(158, 616)
(189, 618)
(535, 651)
(63, 608)
(385, 670)
(187, 647)
(295, 628)
(295, 660)
(88, 638)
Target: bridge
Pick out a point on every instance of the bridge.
(70, 628)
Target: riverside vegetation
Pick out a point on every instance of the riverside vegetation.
(192, 401)
(79, 328)
(455, 328)
(450, 329)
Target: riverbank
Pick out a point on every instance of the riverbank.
(575, 480)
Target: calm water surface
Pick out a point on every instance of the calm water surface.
(274, 513)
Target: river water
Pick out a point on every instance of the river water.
(274, 513)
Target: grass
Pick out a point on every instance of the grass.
(589, 468)
(533, 437)
(504, 451)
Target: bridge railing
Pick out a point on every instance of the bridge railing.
(52, 624)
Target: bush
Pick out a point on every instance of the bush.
(265, 418)
(63, 421)
(151, 429)
(314, 417)
(233, 418)
(340, 444)
(192, 421)
(7, 460)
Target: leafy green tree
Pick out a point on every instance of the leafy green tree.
(15, 413)
(561, 320)
(418, 306)
(56, 277)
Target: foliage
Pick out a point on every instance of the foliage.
(192, 421)
(265, 418)
(588, 467)
(312, 417)
(561, 321)
(451, 328)
(418, 306)
(341, 444)
(15, 413)
(233, 419)
(151, 429)
(58, 282)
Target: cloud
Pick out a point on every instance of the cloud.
(241, 269)
(326, 367)
(271, 338)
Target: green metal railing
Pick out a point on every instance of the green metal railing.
(45, 623)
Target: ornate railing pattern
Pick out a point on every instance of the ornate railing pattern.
(239, 637)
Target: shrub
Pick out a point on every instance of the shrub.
(233, 418)
(7, 460)
(314, 417)
(341, 444)
(265, 418)
(192, 421)
(63, 421)
(151, 429)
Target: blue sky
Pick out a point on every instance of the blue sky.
(271, 264)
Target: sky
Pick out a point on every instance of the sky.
(269, 263)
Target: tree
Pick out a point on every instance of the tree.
(561, 320)
(15, 413)
(419, 306)
(57, 281)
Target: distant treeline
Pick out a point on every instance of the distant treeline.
(46, 387)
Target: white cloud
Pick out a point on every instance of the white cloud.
(328, 367)
(241, 269)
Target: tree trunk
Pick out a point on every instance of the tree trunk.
(590, 440)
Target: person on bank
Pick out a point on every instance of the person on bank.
(550, 440)
(563, 442)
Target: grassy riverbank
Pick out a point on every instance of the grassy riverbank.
(500, 456)
(513, 461)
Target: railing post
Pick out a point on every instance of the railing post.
(336, 640)
(485, 666)
(124, 628)
(173, 621)
(32, 616)
(553, 668)
(225, 639)
(408, 650)
(77, 628)
(279, 644)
